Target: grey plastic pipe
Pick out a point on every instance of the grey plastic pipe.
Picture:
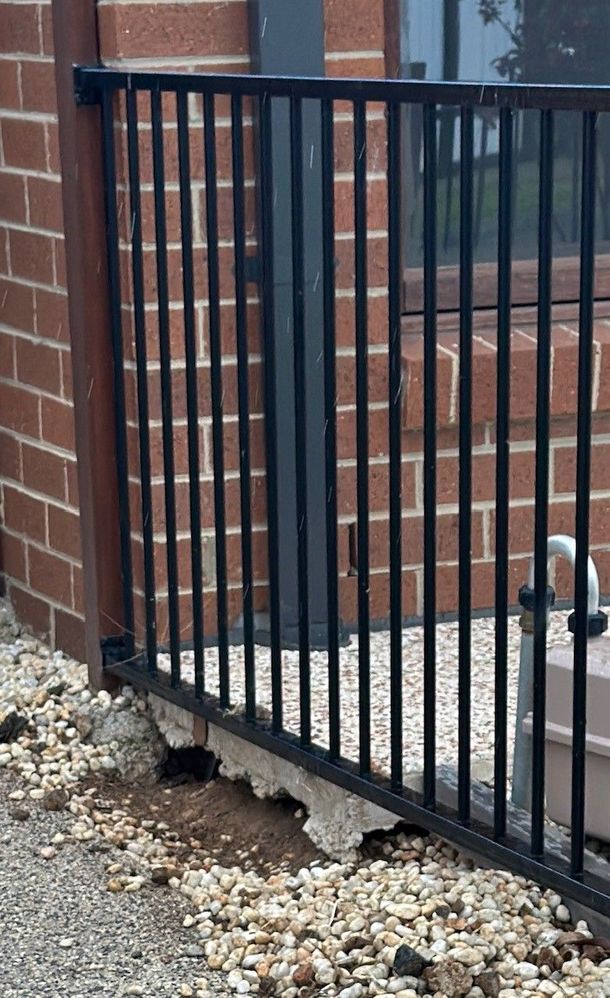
(559, 545)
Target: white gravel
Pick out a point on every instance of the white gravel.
(482, 712)
(416, 920)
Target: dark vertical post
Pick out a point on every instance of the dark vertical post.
(241, 331)
(165, 361)
(395, 403)
(543, 386)
(330, 427)
(300, 410)
(430, 346)
(287, 36)
(362, 435)
(505, 206)
(116, 326)
(269, 341)
(465, 459)
(583, 485)
(137, 266)
(220, 529)
(192, 404)
(80, 140)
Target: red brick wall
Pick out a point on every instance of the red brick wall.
(40, 546)
(39, 542)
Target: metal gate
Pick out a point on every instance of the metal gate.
(179, 152)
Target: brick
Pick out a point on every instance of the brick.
(31, 610)
(78, 589)
(24, 514)
(52, 140)
(46, 28)
(377, 320)
(601, 334)
(378, 488)
(12, 197)
(4, 265)
(9, 84)
(70, 634)
(564, 464)
(44, 471)
(24, 144)
(362, 30)
(16, 305)
(38, 86)
(10, 457)
(356, 67)
(19, 28)
(377, 379)
(376, 206)
(19, 410)
(38, 365)
(182, 29)
(66, 375)
(64, 531)
(52, 320)
(50, 575)
(564, 392)
(413, 384)
(59, 253)
(57, 423)
(379, 597)
(72, 477)
(32, 256)
(7, 356)
(44, 198)
(376, 138)
(13, 556)
(377, 263)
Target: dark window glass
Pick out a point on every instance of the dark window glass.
(533, 41)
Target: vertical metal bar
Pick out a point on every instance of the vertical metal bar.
(192, 406)
(505, 209)
(266, 216)
(430, 346)
(394, 441)
(362, 441)
(137, 267)
(330, 415)
(241, 330)
(211, 205)
(543, 384)
(300, 410)
(465, 459)
(583, 485)
(156, 112)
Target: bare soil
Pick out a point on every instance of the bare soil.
(221, 819)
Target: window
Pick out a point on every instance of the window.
(550, 41)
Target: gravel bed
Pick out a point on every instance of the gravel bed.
(411, 917)
(64, 934)
(482, 711)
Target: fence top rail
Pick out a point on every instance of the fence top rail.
(91, 81)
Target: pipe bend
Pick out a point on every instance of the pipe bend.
(565, 546)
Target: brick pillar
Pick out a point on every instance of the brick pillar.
(40, 546)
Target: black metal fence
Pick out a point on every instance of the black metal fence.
(138, 659)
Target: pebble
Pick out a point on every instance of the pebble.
(416, 916)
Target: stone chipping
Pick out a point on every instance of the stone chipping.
(414, 917)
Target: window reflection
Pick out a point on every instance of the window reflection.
(534, 41)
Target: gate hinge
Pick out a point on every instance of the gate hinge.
(114, 650)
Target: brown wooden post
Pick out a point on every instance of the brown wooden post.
(75, 40)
